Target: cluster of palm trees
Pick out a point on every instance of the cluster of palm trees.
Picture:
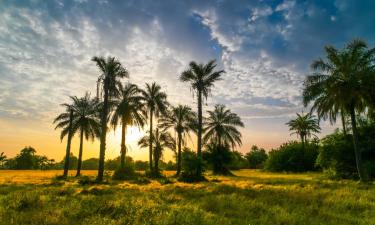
(123, 103)
(342, 84)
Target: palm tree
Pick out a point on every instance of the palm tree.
(201, 78)
(156, 103)
(86, 121)
(66, 127)
(342, 81)
(221, 127)
(179, 118)
(160, 141)
(3, 158)
(108, 82)
(129, 111)
(305, 125)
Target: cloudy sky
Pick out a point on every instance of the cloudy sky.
(265, 47)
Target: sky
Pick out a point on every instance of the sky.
(265, 47)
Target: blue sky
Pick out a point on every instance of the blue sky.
(265, 47)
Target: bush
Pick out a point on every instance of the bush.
(292, 157)
(190, 167)
(256, 157)
(238, 161)
(124, 173)
(337, 157)
(219, 157)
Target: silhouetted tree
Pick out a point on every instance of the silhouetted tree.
(160, 141)
(202, 78)
(108, 82)
(156, 103)
(179, 118)
(305, 125)
(129, 110)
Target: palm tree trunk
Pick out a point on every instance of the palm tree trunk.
(150, 141)
(358, 157)
(123, 146)
(67, 154)
(104, 131)
(80, 154)
(199, 145)
(179, 153)
(343, 122)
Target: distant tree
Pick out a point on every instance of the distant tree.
(90, 164)
(25, 160)
(256, 157)
(221, 127)
(343, 81)
(73, 161)
(111, 71)
(129, 111)
(305, 126)
(156, 103)
(141, 165)
(3, 158)
(201, 78)
(160, 141)
(179, 118)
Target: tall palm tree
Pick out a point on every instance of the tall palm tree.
(128, 111)
(179, 118)
(342, 81)
(156, 103)
(221, 127)
(108, 83)
(305, 125)
(160, 141)
(201, 78)
(66, 127)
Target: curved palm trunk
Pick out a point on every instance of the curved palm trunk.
(67, 154)
(179, 154)
(123, 146)
(358, 157)
(80, 154)
(199, 144)
(104, 131)
(150, 141)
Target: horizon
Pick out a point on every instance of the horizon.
(265, 47)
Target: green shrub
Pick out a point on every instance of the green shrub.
(124, 173)
(190, 167)
(219, 157)
(256, 157)
(292, 157)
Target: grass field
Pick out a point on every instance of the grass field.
(251, 197)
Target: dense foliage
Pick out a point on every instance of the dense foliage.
(293, 157)
(256, 157)
(336, 153)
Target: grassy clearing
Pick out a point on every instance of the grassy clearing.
(252, 197)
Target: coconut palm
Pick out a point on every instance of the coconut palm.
(342, 81)
(220, 127)
(160, 141)
(86, 121)
(305, 126)
(201, 78)
(179, 118)
(129, 111)
(64, 121)
(156, 103)
(108, 83)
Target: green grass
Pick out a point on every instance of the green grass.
(252, 197)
